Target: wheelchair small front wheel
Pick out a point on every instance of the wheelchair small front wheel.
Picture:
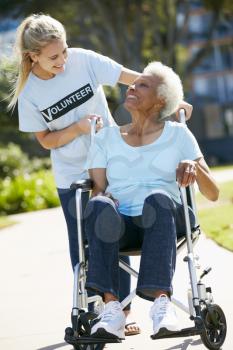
(215, 327)
(89, 347)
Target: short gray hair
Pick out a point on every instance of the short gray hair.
(170, 88)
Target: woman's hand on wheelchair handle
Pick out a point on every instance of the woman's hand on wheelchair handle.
(186, 173)
(85, 123)
(109, 195)
(188, 110)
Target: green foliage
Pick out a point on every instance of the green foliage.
(14, 162)
(25, 184)
(7, 76)
(225, 6)
(131, 32)
(216, 218)
(217, 224)
(9, 120)
(28, 192)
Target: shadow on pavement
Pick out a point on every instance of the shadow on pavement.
(53, 347)
(185, 344)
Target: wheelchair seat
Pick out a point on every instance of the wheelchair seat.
(181, 240)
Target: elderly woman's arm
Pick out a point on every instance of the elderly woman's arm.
(98, 176)
(189, 171)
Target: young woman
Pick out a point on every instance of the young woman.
(59, 90)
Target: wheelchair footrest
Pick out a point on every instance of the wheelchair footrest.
(71, 339)
(185, 332)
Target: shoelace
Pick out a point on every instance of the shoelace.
(108, 313)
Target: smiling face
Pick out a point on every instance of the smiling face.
(141, 95)
(51, 59)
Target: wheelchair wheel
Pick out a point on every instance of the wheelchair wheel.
(84, 330)
(215, 325)
(89, 347)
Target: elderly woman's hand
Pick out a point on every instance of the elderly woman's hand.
(186, 172)
(109, 195)
(188, 110)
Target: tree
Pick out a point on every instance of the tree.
(132, 32)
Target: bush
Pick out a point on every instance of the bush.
(25, 184)
(28, 192)
(14, 162)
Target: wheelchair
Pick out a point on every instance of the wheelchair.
(208, 317)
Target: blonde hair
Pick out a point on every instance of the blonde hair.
(35, 32)
(170, 88)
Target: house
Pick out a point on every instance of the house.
(211, 88)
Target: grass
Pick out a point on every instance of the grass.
(221, 167)
(5, 222)
(216, 218)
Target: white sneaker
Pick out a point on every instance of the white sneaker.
(163, 315)
(98, 307)
(111, 323)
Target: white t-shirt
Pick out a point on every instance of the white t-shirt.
(133, 173)
(56, 103)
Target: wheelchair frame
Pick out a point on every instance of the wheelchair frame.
(209, 319)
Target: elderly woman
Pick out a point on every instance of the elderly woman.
(136, 170)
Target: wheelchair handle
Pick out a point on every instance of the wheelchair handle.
(84, 185)
(93, 129)
(182, 117)
(182, 120)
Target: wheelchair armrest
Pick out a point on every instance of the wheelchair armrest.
(85, 185)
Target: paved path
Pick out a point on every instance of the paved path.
(36, 288)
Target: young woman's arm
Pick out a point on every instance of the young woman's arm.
(128, 76)
(54, 139)
(189, 171)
